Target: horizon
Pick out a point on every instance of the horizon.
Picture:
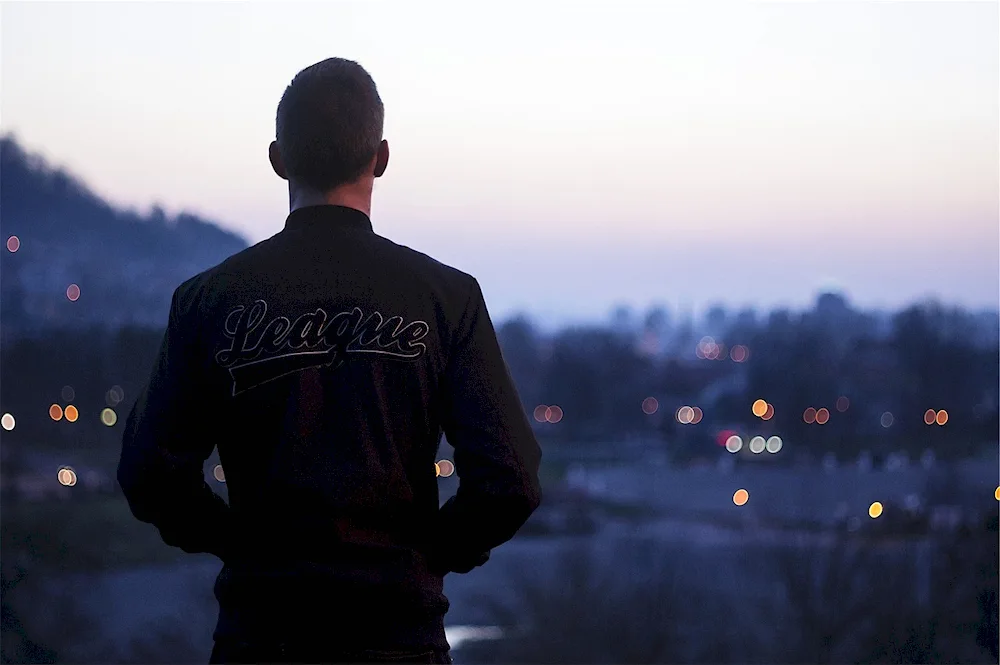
(679, 155)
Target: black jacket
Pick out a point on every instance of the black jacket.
(325, 363)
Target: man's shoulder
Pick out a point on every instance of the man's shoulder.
(417, 262)
(231, 266)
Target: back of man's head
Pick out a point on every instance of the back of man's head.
(329, 124)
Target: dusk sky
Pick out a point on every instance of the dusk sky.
(569, 155)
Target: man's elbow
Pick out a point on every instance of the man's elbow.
(134, 490)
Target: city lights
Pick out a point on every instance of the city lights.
(66, 476)
(114, 396)
(444, 468)
(689, 415)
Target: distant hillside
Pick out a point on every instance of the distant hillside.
(125, 264)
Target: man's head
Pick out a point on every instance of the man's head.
(329, 129)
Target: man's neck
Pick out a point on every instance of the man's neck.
(349, 197)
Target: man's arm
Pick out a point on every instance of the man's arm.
(164, 449)
(496, 454)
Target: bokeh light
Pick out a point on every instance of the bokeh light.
(942, 417)
(541, 413)
(71, 413)
(769, 412)
(996, 493)
(554, 414)
(759, 408)
(774, 444)
(696, 415)
(445, 468)
(757, 445)
(734, 443)
(822, 416)
(886, 420)
(7, 422)
(73, 292)
(930, 415)
(685, 415)
(650, 405)
(114, 395)
(739, 353)
(66, 476)
(809, 415)
(843, 404)
(219, 474)
(55, 412)
(13, 244)
(68, 394)
(875, 510)
(740, 497)
(109, 417)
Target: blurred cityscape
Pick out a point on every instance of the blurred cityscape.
(746, 486)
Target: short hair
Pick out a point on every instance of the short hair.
(329, 124)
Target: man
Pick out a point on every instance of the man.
(325, 362)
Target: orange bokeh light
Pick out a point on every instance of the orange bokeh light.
(930, 415)
(71, 413)
(822, 416)
(740, 497)
(55, 412)
(759, 408)
(942, 417)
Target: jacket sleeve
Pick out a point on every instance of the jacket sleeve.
(164, 449)
(496, 454)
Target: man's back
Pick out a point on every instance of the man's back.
(325, 363)
(328, 361)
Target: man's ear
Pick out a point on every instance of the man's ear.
(277, 163)
(381, 158)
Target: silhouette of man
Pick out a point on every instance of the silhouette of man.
(325, 363)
